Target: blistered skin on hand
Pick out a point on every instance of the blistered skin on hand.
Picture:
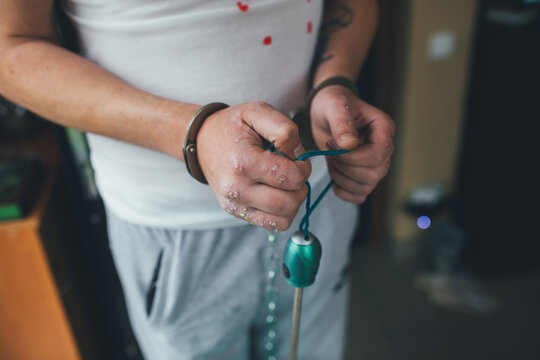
(262, 220)
(238, 168)
(231, 202)
(230, 197)
(233, 195)
(225, 187)
(257, 218)
(267, 223)
(236, 119)
(252, 184)
(272, 169)
(245, 212)
(341, 120)
(229, 206)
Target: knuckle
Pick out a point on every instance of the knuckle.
(307, 171)
(234, 118)
(389, 141)
(347, 196)
(389, 137)
(229, 197)
(285, 223)
(378, 158)
(290, 206)
(273, 223)
(384, 169)
(238, 165)
(288, 131)
(260, 105)
(342, 194)
(228, 205)
(303, 192)
(360, 199)
(282, 180)
(373, 177)
(279, 204)
(293, 205)
(297, 181)
(269, 167)
(286, 205)
(368, 190)
(391, 124)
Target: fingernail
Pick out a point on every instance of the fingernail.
(298, 151)
(349, 138)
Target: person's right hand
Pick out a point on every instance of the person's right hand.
(251, 183)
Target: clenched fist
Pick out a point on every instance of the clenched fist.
(340, 120)
(250, 183)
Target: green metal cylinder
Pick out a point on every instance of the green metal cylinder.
(301, 259)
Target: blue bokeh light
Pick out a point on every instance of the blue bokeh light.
(423, 222)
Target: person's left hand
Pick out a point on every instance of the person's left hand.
(340, 120)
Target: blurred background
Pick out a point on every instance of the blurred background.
(445, 263)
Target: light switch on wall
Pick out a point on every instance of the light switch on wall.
(441, 44)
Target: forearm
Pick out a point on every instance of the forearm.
(345, 37)
(69, 90)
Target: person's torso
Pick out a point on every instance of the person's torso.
(196, 52)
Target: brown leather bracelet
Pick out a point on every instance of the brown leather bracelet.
(190, 144)
(335, 80)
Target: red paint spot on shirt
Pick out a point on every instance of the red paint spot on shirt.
(242, 7)
(309, 27)
(267, 40)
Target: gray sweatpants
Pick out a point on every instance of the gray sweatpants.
(201, 294)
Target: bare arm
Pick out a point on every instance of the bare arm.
(345, 36)
(250, 183)
(338, 116)
(67, 89)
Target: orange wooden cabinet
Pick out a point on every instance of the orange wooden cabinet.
(33, 322)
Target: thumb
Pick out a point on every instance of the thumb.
(344, 132)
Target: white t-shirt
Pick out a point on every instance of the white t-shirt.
(195, 51)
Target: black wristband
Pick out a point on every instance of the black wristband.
(190, 144)
(335, 80)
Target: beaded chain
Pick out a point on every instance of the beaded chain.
(272, 291)
(272, 296)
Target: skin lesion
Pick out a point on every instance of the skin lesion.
(338, 19)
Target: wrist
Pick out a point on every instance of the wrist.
(189, 148)
(165, 127)
(331, 82)
(336, 67)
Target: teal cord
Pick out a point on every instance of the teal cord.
(304, 224)
(320, 152)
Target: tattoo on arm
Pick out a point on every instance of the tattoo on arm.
(340, 18)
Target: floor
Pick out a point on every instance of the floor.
(391, 320)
